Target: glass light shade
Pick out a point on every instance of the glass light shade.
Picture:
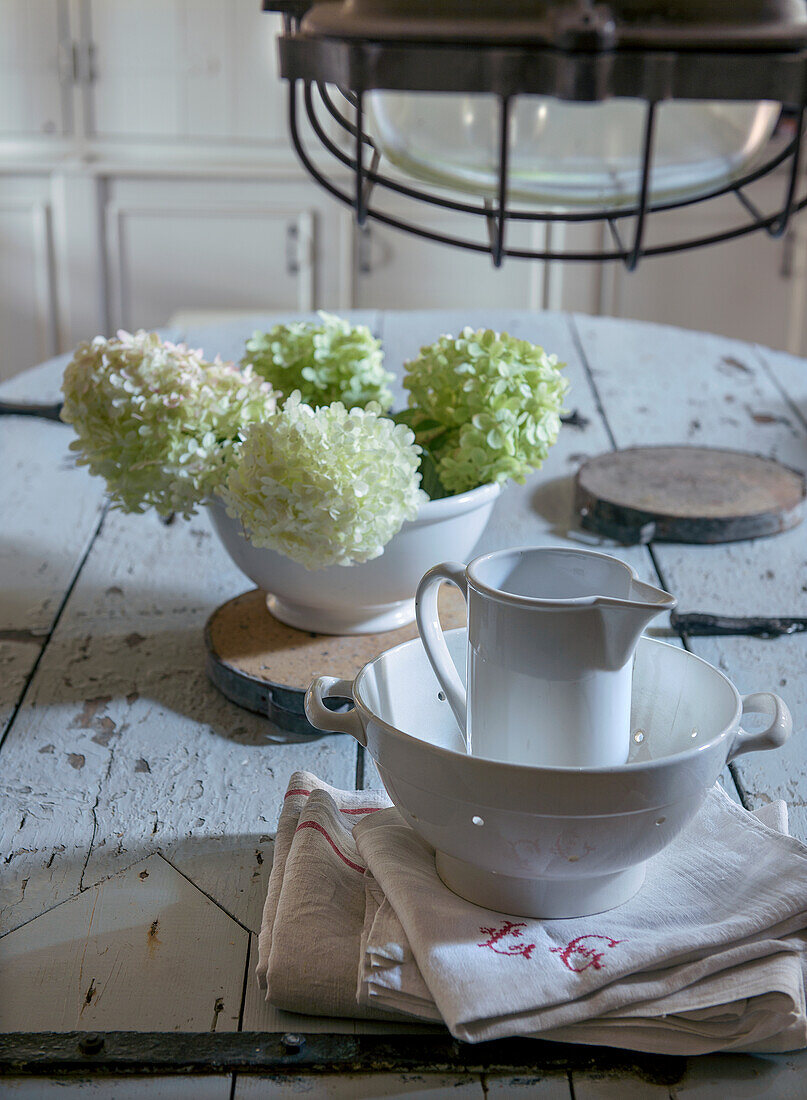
(569, 154)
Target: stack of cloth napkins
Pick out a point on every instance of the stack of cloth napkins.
(709, 955)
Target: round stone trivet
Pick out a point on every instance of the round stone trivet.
(265, 666)
(687, 494)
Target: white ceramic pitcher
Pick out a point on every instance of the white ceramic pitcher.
(551, 637)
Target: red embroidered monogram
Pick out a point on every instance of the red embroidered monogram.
(504, 939)
(580, 951)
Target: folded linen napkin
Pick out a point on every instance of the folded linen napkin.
(726, 892)
(683, 973)
(752, 1006)
(308, 946)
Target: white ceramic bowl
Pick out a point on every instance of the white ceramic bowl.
(548, 842)
(361, 599)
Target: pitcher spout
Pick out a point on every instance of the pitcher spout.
(651, 599)
(624, 619)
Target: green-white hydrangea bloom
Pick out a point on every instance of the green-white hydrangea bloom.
(329, 360)
(325, 486)
(486, 404)
(156, 421)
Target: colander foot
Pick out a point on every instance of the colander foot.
(547, 898)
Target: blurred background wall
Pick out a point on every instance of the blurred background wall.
(146, 174)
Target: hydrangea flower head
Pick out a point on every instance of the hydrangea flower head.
(156, 421)
(329, 360)
(487, 405)
(325, 486)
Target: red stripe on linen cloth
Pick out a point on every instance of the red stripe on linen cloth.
(360, 810)
(316, 825)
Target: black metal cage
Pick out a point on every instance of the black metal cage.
(588, 55)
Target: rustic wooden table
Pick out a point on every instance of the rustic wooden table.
(138, 805)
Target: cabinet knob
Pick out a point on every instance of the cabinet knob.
(68, 62)
(788, 249)
(292, 249)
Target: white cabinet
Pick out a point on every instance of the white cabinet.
(200, 244)
(394, 270)
(751, 288)
(35, 68)
(27, 286)
(147, 170)
(185, 70)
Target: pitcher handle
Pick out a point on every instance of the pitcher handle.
(328, 687)
(780, 728)
(431, 633)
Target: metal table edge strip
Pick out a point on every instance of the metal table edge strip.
(132, 1052)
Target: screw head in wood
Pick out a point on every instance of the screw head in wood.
(91, 1043)
(292, 1042)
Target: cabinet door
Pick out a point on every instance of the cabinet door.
(192, 244)
(27, 292)
(750, 288)
(395, 270)
(35, 68)
(186, 70)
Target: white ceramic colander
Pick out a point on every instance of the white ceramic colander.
(548, 842)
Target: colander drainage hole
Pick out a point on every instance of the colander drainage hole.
(441, 696)
(477, 820)
(660, 820)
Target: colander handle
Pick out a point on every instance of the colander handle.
(329, 687)
(780, 728)
(431, 633)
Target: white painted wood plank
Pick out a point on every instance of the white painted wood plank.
(351, 1086)
(777, 665)
(789, 374)
(664, 385)
(233, 869)
(744, 1077)
(600, 1087)
(144, 752)
(49, 512)
(117, 1088)
(668, 385)
(143, 951)
(708, 1077)
(49, 506)
(19, 651)
(534, 1088)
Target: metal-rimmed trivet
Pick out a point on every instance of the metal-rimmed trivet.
(265, 666)
(687, 494)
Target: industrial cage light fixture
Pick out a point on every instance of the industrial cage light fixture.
(549, 112)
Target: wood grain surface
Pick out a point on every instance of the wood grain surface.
(687, 494)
